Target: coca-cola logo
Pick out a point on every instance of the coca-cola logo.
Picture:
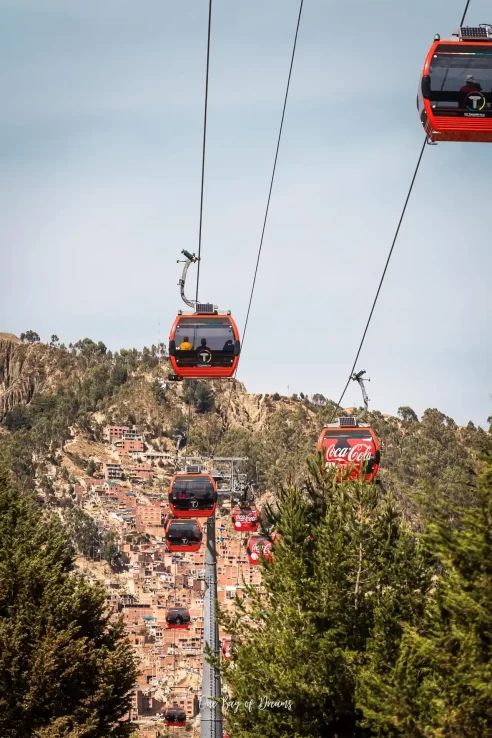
(246, 518)
(260, 546)
(349, 455)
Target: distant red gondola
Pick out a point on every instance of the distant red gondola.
(347, 445)
(454, 99)
(178, 617)
(183, 535)
(245, 517)
(175, 716)
(256, 546)
(192, 495)
(229, 646)
(226, 650)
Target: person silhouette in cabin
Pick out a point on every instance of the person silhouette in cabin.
(469, 86)
(186, 345)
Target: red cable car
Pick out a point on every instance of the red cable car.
(205, 344)
(256, 546)
(183, 535)
(455, 92)
(226, 650)
(175, 716)
(229, 646)
(178, 617)
(192, 495)
(347, 444)
(245, 517)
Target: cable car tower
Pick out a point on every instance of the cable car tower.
(230, 484)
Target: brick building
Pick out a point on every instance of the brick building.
(113, 469)
(115, 432)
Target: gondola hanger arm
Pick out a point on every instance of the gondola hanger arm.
(190, 259)
(357, 377)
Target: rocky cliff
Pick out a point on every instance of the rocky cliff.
(24, 369)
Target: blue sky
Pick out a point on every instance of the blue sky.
(100, 156)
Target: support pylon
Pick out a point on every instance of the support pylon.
(210, 712)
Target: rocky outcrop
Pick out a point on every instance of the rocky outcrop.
(24, 370)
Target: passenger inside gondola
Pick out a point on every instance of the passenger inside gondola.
(447, 72)
(186, 345)
(470, 85)
(210, 334)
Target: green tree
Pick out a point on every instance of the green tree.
(89, 349)
(30, 337)
(65, 668)
(343, 557)
(440, 684)
(158, 391)
(17, 418)
(198, 395)
(407, 414)
(91, 468)
(54, 340)
(84, 534)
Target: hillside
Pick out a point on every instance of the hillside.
(54, 403)
(94, 434)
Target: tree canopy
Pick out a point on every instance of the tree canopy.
(344, 561)
(65, 666)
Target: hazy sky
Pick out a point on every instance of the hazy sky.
(100, 158)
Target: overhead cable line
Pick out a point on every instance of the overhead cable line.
(273, 172)
(204, 147)
(389, 256)
(383, 275)
(268, 199)
(465, 12)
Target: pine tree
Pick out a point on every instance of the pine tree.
(342, 557)
(65, 668)
(441, 682)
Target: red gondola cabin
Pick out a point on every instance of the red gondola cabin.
(455, 92)
(245, 517)
(226, 650)
(175, 716)
(183, 535)
(205, 344)
(256, 546)
(178, 617)
(192, 495)
(229, 646)
(347, 445)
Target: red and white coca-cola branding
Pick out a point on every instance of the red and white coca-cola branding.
(357, 453)
(249, 517)
(349, 452)
(244, 519)
(262, 545)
